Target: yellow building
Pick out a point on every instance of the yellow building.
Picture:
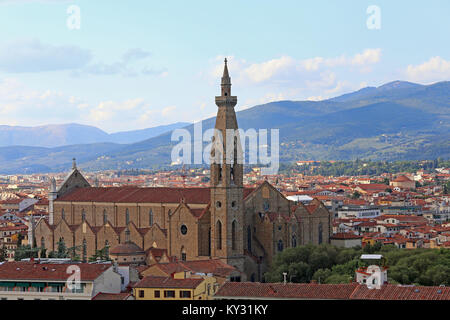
(181, 286)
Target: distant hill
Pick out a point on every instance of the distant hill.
(396, 121)
(69, 134)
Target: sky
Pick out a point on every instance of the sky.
(126, 65)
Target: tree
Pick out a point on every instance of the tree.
(3, 254)
(356, 195)
(102, 254)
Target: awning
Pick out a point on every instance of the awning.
(38, 284)
(22, 284)
(56, 284)
(8, 284)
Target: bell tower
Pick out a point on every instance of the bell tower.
(227, 212)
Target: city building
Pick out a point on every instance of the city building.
(244, 227)
(41, 280)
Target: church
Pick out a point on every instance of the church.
(243, 227)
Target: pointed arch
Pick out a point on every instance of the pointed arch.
(320, 227)
(280, 245)
(218, 235)
(105, 217)
(150, 217)
(127, 216)
(233, 235)
(183, 254)
(83, 215)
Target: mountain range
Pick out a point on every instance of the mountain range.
(396, 121)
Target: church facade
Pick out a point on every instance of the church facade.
(243, 227)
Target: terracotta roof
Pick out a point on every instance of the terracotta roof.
(289, 290)
(402, 179)
(126, 249)
(142, 195)
(168, 282)
(111, 296)
(345, 235)
(398, 292)
(48, 271)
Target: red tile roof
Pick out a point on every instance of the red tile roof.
(49, 271)
(142, 195)
(111, 296)
(286, 291)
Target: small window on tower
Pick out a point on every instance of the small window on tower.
(218, 204)
(233, 204)
(226, 94)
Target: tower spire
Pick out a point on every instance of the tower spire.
(226, 80)
(74, 164)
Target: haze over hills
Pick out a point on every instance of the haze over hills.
(396, 121)
(69, 134)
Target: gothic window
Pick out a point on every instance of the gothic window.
(233, 235)
(42, 243)
(84, 249)
(266, 205)
(294, 241)
(218, 204)
(219, 235)
(280, 245)
(209, 241)
(150, 217)
(249, 239)
(83, 215)
(183, 254)
(63, 214)
(127, 216)
(320, 233)
(105, 217)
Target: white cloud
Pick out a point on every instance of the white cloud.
(435, 69)
(368, 56)
(31, 55)
(266, 70)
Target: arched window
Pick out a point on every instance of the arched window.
(183, 254)
(249, 239)
(320, 233)
(84, 249)
(233, 235)
(150, 217)
(280, 245)
(105, 217)
(63, 214)
(294, 241)
(42, 243)
(83, 215)
(127, 216)
(209, 241)
(219, 235)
